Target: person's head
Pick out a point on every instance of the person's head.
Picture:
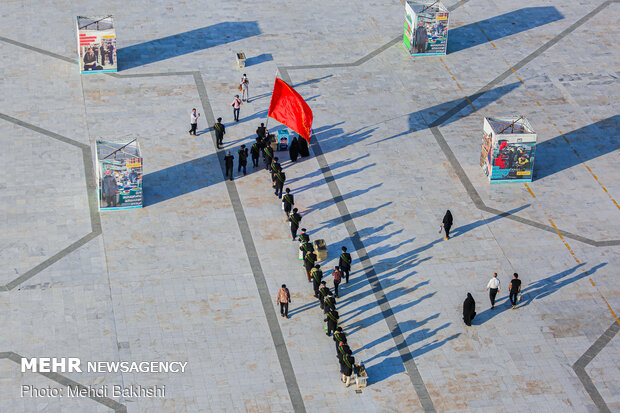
(303, 230)
(295, 209)
(228, 153)
(318, 266)
(288, 190)
(469, 295)
(275, 159)
(283, 285)
(516, 275)
(323, 283)
(219, 119)
(194, 110)
(339, 329)
(336, 268)
(237, 96)
(262, 125)
(244, 74)
(344, 249)
(495, 274)
(242, 146)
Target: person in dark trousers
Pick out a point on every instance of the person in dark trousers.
(345, 263)
(493, 289)
(514, 289)
(328, 303)
(255, 152)
(90, 62)
(102, 53)
(421, 38)
(324, 291)
(109, 189)
(302, 146)
(309, 260)
(447, 224)
(332, 321)
(220, 131)
(305, 245)
(267, 157)
(236, 105)
(293, 149)
(317, 275)
(337, 279)
(193, 122)
(283, 299)
(242, 159)
(229, 160)
(273, 169)
(261, 131)
(294, 219)
(304, 237)
(111, 53)
(280, 178)
(469, 309)
(288, 201)
(339, 337)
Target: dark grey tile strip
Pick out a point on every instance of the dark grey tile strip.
(580, 366)
(42, 131)
(65, 381)
(371, 275)
(37, 50)
(257, 270)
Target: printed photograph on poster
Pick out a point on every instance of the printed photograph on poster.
(96, 44)
(119, 175)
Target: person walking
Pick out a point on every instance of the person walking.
(245, 83)
(345, 263)
(193, 122)
(514, 290)
(242, 160)
(337, 279)
(274, 168)
(280, 179)
(255, 152)
(294, 219)
(347, 368)
(304, 237)
(324, 291)
(283, 299)
(447, 224)
(220, 131)
(469, 309)
(267, 156)
(317, 276)
(332, 321)
(309, 261)
(236, 104)
(339, 337)
(229, 160)
(288, 201)
(493, 289)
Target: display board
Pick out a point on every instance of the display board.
(426, 27)
(119, 175)
(96, 38)
(508, 147)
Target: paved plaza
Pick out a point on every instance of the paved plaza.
(192, 277)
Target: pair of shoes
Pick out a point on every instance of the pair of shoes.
(327, 334)
(446, 238)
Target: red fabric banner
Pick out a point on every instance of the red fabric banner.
(289, 108)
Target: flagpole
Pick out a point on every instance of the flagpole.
(267, 121)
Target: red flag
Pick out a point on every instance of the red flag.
(289, 108)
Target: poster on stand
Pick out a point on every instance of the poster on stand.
(426, 27)
(508, 147)
(96, 44)
(119, 175)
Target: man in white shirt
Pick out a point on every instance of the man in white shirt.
(493, 288)
(193, 122)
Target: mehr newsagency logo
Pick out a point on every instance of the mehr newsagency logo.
(75, 365)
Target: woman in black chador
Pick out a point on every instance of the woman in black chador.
(303, 147)
(469, 309)
(447, 223)
(293, 149)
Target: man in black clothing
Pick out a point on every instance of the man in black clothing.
(288, 200)
(345, 263)
(90, 61)
(273, 168)
(324, 291)
(267, 156)
(261, 131)
(332, 321)
(220, 130)
(294, 219)
(339, 337)
(111, 53)
(309, 261)
(329, 303)
(255, 152)
(102, 53)
(230, 162)
(514, 288)
(243, 159)
(317, 276)
(280, 178)
(304, 237)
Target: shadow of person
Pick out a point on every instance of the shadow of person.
(468, 227)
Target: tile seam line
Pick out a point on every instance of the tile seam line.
(371, 276)
(259, 278)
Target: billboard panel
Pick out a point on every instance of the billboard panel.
(96, 43)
